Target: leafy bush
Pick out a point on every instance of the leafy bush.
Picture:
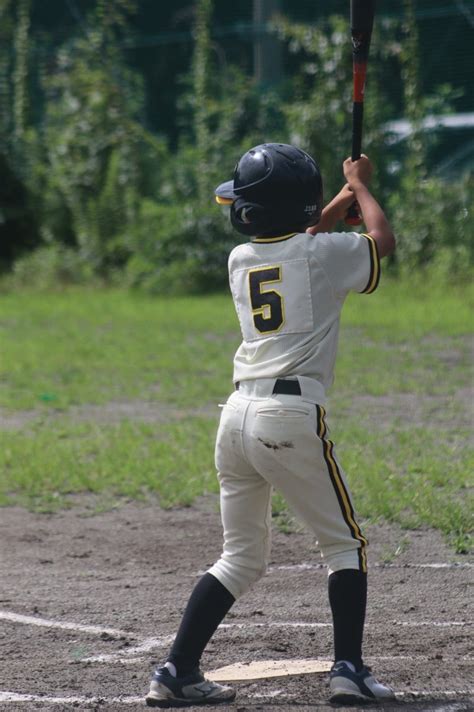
(92, 149)
(19, 229)
(49, 267)
(432, 220)
(180, 249)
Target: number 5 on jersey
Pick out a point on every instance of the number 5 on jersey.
(267, 305)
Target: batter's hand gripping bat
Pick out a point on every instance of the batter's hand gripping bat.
(362, 20)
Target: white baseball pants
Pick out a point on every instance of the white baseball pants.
(279, 441)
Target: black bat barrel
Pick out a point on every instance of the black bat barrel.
(362, 15)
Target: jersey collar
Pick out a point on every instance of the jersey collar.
(279, 238)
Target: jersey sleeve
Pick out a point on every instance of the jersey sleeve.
(350, 261)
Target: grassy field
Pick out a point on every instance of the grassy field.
(116, 394)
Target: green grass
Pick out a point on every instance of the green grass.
(414, 477)
(405, 338)
(62, 353)
(42, 466)
(93, 347)
(414, 310)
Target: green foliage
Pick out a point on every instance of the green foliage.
(201, 73)
(6, 36)
(430, 216)
(86, 166)
(20, 76)
(92, 144)
(181, 239)
(433, 223)
(414, 104)
(50, 266)
(180, 248)
(110, 201)
(18, 223)
(319, 114)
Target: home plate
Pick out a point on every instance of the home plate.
(260, 669)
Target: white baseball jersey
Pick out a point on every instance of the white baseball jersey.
(288, 292)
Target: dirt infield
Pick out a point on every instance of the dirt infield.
(89, 602)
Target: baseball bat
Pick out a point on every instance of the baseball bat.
(362, 20)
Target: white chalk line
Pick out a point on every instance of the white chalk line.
(289, 624)
(421, 658)
(136, 658)
(434, 624)
(270, 694)
(14, 697)
(155, 643)
(134, 655)
(380, 565)
(152, 643)
(65, 625)
(131, 654)
(275, 624)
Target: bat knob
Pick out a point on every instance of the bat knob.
(353, 216)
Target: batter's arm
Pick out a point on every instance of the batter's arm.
(334, 211)
(358, 174)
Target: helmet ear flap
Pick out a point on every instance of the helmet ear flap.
(248, 218)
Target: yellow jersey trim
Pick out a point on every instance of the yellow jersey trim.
(280, 238)
(374, 276)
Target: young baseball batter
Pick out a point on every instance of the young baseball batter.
(288, 283)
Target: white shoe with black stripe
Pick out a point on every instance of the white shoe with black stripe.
(348, 687)
(186, 691)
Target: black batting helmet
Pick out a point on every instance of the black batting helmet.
(276, 188)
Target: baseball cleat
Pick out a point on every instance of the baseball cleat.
(193, 689)
(347, 687)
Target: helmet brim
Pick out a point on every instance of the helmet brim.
(225, 193)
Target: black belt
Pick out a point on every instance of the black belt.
(288, 388)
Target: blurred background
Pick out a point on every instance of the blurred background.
(118, 118)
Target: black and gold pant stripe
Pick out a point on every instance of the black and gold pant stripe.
(340, 489)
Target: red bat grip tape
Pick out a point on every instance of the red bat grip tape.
(359, 73)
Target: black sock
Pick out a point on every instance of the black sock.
(348, 598)
(207, 606)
